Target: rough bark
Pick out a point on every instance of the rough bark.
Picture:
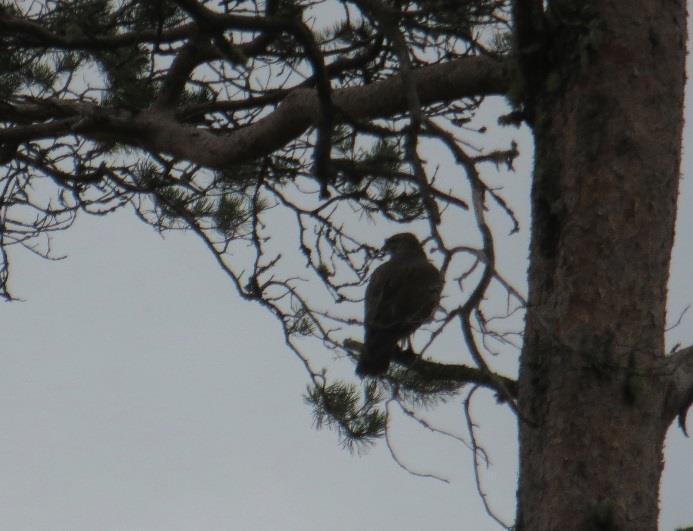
(607, 120)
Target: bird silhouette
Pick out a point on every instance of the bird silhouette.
(402, 294)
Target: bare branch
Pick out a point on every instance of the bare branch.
(477, 451)
(398, 460)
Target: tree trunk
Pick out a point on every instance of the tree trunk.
(607, 118)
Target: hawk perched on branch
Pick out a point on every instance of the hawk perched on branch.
(402, 294)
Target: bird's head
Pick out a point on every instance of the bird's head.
(403, 244)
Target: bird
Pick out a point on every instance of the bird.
(402, 294)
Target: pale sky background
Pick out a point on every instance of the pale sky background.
(139, 392)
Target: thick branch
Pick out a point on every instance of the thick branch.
(466, 77)
(436, 372)
(679, 370)
(159, 132)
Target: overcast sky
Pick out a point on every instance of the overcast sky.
(138, 391)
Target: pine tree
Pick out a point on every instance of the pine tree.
(240, 121)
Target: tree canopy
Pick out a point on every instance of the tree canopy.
(229, 119)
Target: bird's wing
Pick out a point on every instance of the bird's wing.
(378, 292)
(402, 293)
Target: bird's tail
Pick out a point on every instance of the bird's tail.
(375, 357)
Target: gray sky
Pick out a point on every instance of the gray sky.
(138, 392)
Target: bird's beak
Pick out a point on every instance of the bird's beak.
(384, 251)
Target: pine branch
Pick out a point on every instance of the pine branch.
(159, 133)
(435, 372)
